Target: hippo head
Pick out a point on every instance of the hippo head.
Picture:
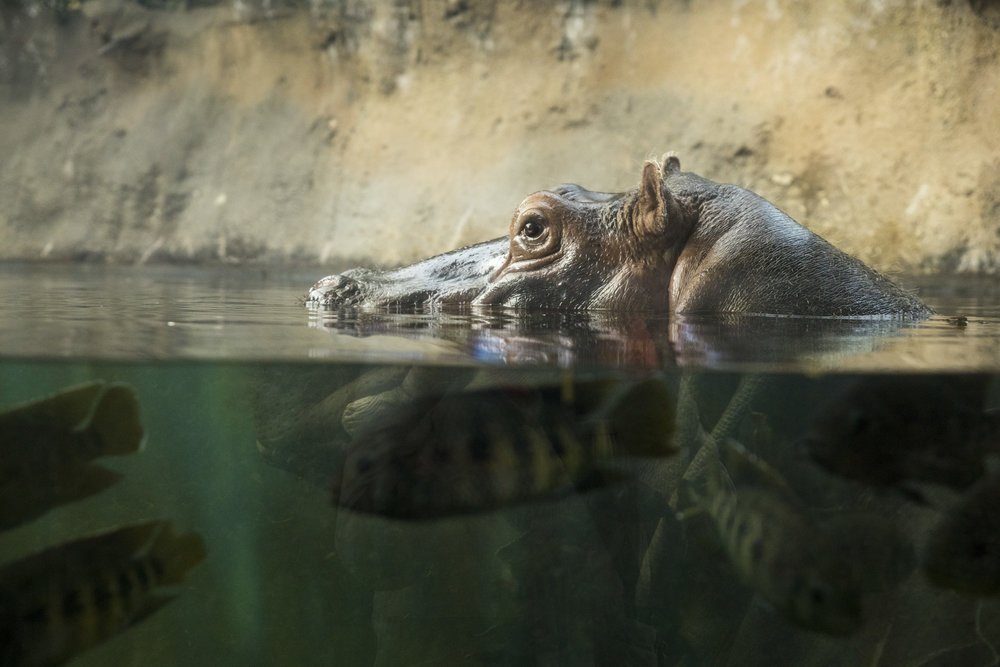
(571, 248)
(567, 248)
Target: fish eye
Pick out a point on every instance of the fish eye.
(533, 226)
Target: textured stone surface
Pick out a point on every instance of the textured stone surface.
(375, 131)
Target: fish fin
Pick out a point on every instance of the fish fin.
(116, 422)
(642, 420)
(178, 553)
(66, 409)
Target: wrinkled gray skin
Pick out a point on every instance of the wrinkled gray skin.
(678, 243)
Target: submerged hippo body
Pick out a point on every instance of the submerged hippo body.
(677, 243)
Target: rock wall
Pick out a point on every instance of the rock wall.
(384, 131)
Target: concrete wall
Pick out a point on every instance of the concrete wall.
(378, 131)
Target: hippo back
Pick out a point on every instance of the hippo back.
(746, 256)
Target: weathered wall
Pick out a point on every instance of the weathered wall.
(367, 130)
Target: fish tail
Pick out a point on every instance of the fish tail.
(116, 423)
(174, 555)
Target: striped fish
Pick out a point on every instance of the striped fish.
(59, 602)
(47, 448)
(481, 450)
(772, 543)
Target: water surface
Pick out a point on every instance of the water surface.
(171, 313)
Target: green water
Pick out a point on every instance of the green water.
(268, 593)
(223, 362)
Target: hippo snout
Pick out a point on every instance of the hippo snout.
(335, 291)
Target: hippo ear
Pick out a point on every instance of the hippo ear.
(652, 207)
(671, 163)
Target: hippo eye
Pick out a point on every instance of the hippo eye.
(533, 227)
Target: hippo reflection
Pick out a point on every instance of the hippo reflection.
(677, 243)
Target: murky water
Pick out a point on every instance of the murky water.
(254, 408)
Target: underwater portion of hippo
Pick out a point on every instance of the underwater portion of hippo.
(677, 243)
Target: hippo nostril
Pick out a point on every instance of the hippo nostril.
(335, 290)
(329, 282)
(322, 283)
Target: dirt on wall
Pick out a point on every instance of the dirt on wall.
(385, 131)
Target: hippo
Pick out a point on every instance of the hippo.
(678, 243)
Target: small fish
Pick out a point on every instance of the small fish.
(57, 603)
(480, 450)
(890, 430)
(46, 448)
(963, 549)
(772, 543)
